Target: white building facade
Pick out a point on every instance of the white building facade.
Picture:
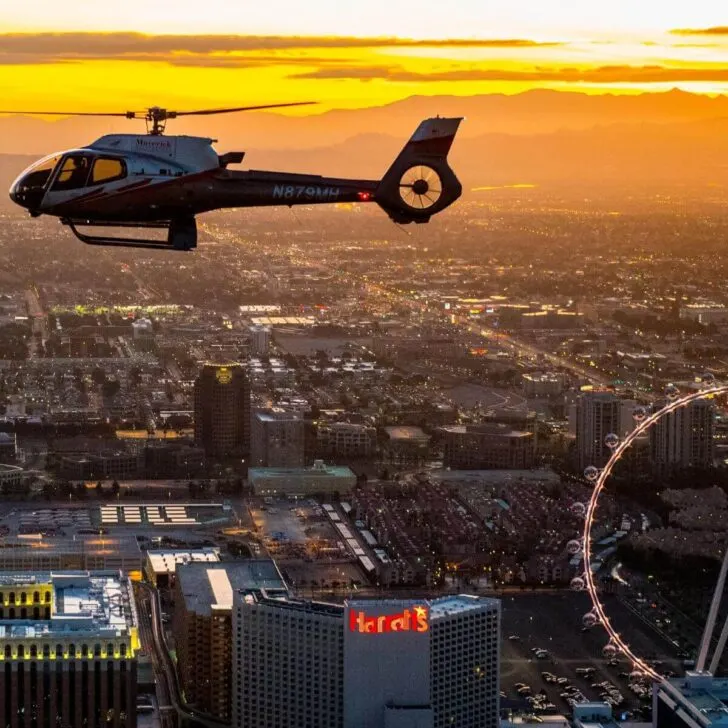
(371, 663)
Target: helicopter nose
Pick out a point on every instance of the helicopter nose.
(14, 196)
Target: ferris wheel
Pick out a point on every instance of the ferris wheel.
(598, 616)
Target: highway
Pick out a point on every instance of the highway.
(519, 347)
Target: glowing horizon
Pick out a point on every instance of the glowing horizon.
(85, 55)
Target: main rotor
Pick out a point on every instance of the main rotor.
(156, 117)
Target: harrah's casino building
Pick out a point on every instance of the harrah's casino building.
(367, 664)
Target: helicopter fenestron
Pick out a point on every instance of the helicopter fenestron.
(156, 181)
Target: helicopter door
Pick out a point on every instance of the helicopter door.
(73, 173)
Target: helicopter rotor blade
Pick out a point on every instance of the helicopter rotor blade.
(206, 112)
(127, 114)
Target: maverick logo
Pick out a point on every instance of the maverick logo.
(410, 620)
(153, 143)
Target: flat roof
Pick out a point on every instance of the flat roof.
(222, 590)
(707, 694)
(95, 603)
(198, 583)
(406, 432)
(460, 603)
(327, 471)
(166, 562)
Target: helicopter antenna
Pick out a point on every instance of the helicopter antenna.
(156, 117)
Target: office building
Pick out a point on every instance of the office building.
(345, 440)
(143, 334)
(11, 478)
(366, 664)
(259, 340)
(598, 414)
(277, 439)
(202, 626)
(543, 385)
(69, 642)
(8, 447)
(319, 478)
(697, 700)
(684, 438)
(405, 445)
(487, 446)
(222, 411)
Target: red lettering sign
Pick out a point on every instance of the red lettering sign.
(415, 619)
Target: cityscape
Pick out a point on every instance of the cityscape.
(314, 466)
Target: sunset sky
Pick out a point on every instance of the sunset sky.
(101, 55)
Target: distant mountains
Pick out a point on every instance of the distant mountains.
(532, 112)
(539, 137)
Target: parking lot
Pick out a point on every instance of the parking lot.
(554, 622)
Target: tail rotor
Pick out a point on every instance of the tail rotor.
(420, 182)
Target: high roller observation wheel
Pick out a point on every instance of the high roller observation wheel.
(615, 639)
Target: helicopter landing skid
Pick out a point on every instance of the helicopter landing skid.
(181, 234)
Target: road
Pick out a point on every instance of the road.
(519, 347)
(38, 320)
(168, 688)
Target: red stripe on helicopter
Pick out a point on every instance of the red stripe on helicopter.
(101, 194)
(136, 186)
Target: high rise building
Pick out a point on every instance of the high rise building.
(277, 439)
(369, 663)
(597, 415)
(684, 438)
(222, 411)
(143, 334)
(259, 340)
(202, 626)
(69, 642)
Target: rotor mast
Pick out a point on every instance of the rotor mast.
(155, 118)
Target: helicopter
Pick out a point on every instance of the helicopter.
(157, 181)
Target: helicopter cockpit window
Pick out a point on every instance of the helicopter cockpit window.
(39, 174)
(107, 169)
(73, 174)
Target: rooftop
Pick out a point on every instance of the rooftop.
(321, 471)
(166, 562)
(439, 608)
(447, 606)
(257, 596)
(95, 603)
(489, 429)
(203, 587)
(707, 694)
(403, 432)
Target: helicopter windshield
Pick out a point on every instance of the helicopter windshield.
(29, 188)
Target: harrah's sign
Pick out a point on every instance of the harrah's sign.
(414, 619)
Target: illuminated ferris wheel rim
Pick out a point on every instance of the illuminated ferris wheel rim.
(639, 663)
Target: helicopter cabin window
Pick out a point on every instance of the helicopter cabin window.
(107, 169)
(73, 174)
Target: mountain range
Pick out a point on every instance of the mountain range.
(538, 137)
